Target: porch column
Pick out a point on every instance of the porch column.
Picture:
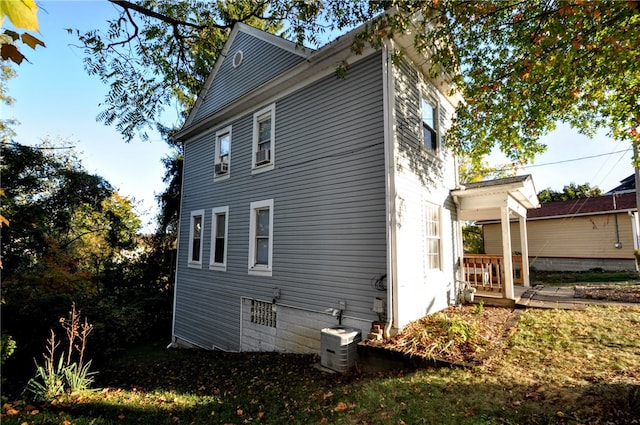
(524, 249)
(506, 253)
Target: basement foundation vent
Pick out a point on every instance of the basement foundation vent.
(263, 313)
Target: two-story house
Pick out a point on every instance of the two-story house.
(311, 199)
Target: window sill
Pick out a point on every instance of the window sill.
(220, 177)
(259, 271)
(218, 267)
(262, 168)
(194, 265)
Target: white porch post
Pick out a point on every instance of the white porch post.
(506, 253)
(524, 249)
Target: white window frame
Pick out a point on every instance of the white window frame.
(191, 262)
(265, 113)
(260, 269)
(215, 212)
(436, 122)
(428, 209)
(219, 135)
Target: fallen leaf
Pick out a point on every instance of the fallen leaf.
(260, 415)
(341, 407)
(239, 412)
(11, 411)
(327, 395)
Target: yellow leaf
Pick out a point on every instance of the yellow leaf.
(31, 41)
(21, 13)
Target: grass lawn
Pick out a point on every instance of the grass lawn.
(574, 367)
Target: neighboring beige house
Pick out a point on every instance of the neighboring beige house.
(576, 235)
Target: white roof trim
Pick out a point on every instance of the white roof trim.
(262, 35)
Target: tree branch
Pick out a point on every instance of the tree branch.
(169, 20)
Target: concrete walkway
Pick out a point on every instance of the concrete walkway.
(559, 297)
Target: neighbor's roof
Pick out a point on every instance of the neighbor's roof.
(606, 204)
(626, 184)
(588, 206)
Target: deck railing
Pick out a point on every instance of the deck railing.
(486, 272)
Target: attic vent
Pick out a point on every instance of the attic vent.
(237, 59)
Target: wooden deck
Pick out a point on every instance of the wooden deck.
(485, 273)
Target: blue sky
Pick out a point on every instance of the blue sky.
(56, 99)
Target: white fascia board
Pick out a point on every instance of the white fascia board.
(320, 64)
(516, 207)
(259, 34)
(207, 84)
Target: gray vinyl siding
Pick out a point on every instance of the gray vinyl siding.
(329, 240)
(261, 62)
(409, 125)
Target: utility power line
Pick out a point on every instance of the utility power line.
(576, 159)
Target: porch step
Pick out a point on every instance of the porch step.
(494, 301)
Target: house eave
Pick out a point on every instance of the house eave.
(565, 216)
(325, 59)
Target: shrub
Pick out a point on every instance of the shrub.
(69, 374)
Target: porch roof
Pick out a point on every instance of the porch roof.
(484, 200)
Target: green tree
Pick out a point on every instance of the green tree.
(522, 66)
(473, 170)
(570, 191)
(159, 53)
(65, 223)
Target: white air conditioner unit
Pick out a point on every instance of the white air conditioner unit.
(263, 157)
(222, 168)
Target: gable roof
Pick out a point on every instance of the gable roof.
(626, 184)
(607, 204)
(520, 188)
(217, 92)
(484, 200)
(306, 64)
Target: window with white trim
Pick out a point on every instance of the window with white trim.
(223, 153)
(261, 237)
(195, 238)
(432, 235)
(429, 113)
(264, 135)
(218, 259)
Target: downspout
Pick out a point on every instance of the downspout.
(618, 244)
(389, 167)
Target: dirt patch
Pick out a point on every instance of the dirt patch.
(465, 335)
(617, 293)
